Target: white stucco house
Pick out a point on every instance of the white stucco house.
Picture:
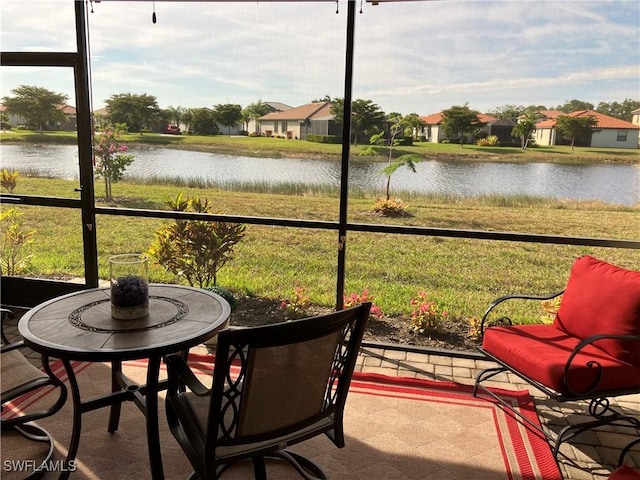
(493, 126)
(296, 123)
(635, 119)
(611, 132)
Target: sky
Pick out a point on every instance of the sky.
(409, 57)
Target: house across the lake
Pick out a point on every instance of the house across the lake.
(310, 119)
(610, 132)
(70, 124)
(434, 132)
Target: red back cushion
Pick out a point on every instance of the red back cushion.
(601, 298)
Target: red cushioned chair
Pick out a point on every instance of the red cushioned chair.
(625, 472)
(590, 352)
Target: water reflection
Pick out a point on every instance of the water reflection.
(617, 184)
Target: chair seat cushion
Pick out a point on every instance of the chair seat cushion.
(601, 298)
(625, 473)
(18, 371)
(540, 352)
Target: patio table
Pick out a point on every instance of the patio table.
(79, 327)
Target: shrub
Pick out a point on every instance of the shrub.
(297, 306)
(8, 179)
(394, 207)
(195, 249)
(474, 327)
(550, 308)
(425, 315)
(323, 138)
(14, 241)
(490, 141)
(354, 299)
(224, 293)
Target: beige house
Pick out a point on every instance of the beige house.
(635, 119)
(296, 123)
(434, 132)
(611, 132)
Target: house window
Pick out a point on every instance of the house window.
(275, 127)
(622, 136)
(284, 127)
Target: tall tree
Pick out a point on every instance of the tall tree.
(458, 121)
(228, 115)
(136, 111)
(254, 111)
(524, 129)
(576, 127)
(414, 124)
(366, 117)
(204, 122)
(574, 106)
(175, 114)
(508, 112)
(36, 105)
(187, 118)
(619, 110)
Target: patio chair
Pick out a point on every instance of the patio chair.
(20, 377)
(590, 352)
(273, 386)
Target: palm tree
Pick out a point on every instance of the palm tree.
(524, 129)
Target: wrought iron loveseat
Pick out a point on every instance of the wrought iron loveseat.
(590, 352)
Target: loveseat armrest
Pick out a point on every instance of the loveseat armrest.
(506, 320)
(593, 363)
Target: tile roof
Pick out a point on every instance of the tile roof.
(304, 112)
(604, 121)
(550, 113)
(436, 118)
(433, 119)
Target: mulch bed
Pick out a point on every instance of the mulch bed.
(454, 335)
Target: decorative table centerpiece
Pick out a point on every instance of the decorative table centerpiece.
(129, 276)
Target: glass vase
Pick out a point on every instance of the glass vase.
(129, 278)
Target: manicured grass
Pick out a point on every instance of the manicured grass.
(462, 275)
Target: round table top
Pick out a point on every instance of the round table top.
(79, 326)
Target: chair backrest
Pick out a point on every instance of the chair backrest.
(601, 298)
(274, 380)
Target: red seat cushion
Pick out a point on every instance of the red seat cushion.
(541, 352)
(601, 298)
(625, 473)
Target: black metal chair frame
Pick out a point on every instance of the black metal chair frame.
(24, 424)
(599, 406)
(235, 347)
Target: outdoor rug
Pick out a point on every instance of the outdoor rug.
(395, 428)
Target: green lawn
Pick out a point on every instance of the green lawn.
(461, 275)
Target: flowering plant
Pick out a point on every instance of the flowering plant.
(111, 158)
(358, 298)
(297, 306)
(425, 314)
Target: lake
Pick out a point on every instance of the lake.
(609, 183)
